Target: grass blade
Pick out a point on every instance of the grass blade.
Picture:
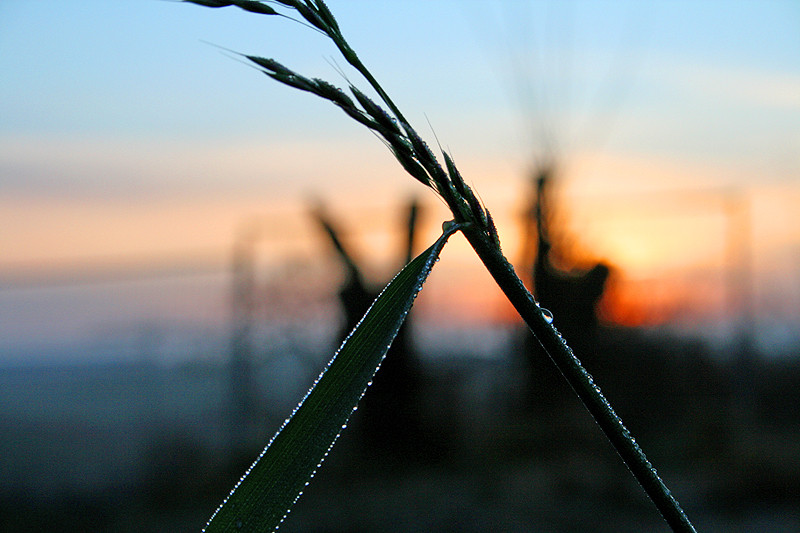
(266, 492)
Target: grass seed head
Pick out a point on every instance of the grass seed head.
(255, 7)
(410, 165)
(326, 15)
(252, 6)
(464, 190)
(334, 94)
(375, 111)
(270, 65)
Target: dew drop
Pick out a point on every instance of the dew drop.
(548, 316)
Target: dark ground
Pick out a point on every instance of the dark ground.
(495, 448)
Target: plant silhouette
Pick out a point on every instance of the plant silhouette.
(390, 414)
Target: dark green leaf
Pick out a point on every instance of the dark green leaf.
(267, 491)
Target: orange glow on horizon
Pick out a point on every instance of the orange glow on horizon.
(659, 301)
(655, 242)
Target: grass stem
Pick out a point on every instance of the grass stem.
(579, 379)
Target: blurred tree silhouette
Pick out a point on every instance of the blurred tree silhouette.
(570, 295)
(391, 412)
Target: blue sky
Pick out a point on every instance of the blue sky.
(124, 133)
(139, 71)
(124, 101)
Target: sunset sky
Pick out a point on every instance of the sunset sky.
(128, 136)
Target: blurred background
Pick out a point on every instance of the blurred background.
(171, 282)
